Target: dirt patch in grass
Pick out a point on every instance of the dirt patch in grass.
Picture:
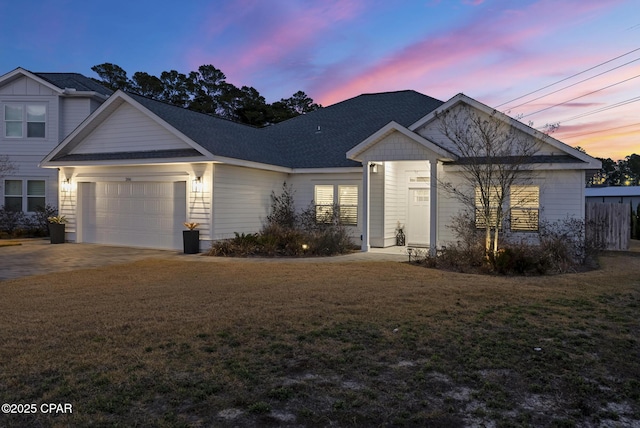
(182, 343)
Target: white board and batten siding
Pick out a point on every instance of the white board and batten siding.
(242, 198)
(128, 127)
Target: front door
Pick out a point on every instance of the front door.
(418, 216)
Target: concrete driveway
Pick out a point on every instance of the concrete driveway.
(38, 256)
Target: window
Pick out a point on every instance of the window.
(344, 198)
(324, 203)
(22, 195)
(21, 120)
(348, 204)
(525, 208)
(494, 198)
(13, 195)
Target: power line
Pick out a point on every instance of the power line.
(601, 109)
(600, 131)
(581, 96)
(570, 77)
(574, 84)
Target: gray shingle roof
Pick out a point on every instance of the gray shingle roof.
(74, 80)
(319, 139)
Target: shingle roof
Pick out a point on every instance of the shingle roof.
(74, 80)
(319, 139)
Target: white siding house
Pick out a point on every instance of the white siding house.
(37, 110)
(137, 169)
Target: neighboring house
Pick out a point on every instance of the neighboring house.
(136, 169)
(613, 194)
(38, 110)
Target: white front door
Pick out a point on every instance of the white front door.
(418, 215)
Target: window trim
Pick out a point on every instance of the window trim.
(525, 210)
(323, 209)
(24, 192)
(24, 120)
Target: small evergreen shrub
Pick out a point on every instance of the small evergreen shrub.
(286, 232)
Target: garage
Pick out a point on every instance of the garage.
(131, 213)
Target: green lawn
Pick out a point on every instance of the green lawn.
(184, 343)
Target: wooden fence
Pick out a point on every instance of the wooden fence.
(609, 223)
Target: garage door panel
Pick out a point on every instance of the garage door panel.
(141, 214)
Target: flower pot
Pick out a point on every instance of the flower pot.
(56, 233)
(191, 241)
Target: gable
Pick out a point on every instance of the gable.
(397, 146)
(128, 129)
(24, 85)
(550, 150)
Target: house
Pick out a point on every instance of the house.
(128, 170)
(614, 194)
(38, 111)
(136, 169)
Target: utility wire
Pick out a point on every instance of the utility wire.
(574, 84)
(600, 110)
(581, 96)
(599, 131)
(570, 77)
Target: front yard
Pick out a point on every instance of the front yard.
(244, 343)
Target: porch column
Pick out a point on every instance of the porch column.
(365, 205)
(433, 206)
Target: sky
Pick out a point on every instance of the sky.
(575, 63)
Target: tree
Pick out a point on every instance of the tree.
(6, 166)
(176, 88)
(625, 172)
(493, 156)
(147, 85)
(113, 76)
(207, 91)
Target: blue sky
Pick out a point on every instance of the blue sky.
(491, 50)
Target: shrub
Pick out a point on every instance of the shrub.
(561, 246)
(285, 231)
(11, 221)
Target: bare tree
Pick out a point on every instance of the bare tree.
(493, 154)
(6, 166)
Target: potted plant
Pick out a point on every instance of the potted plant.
(57, 228)
(191, 238)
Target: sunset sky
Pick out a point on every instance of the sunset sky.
(492, 50)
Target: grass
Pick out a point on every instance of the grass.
(182, 343)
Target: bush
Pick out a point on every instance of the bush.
(288, 233)
(561, 246)
(14, 224)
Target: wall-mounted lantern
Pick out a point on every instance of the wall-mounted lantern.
(196, 185)
(66, 185)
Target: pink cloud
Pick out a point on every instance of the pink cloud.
(277, 33)
(448, 60)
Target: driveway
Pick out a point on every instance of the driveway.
(38, 256)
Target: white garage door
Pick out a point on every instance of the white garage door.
(137, 214)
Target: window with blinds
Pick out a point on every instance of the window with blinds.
(343, 198)
(481, 220)
(348, 204)
(324, 203)
(525, 208)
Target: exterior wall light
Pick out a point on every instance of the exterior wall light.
(66, 185)
(374, 168)
(196, 185)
